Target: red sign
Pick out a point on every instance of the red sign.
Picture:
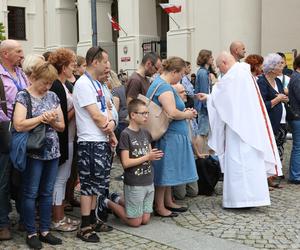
(125, 59)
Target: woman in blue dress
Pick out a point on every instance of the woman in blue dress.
(178, 165)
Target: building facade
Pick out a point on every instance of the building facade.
(263, 25)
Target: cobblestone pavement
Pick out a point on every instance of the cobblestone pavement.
(273, 227)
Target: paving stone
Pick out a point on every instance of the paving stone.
(272, 227)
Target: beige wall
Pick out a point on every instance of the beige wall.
(280, 26)
(214, 25)
(263, 25)
(138, 19)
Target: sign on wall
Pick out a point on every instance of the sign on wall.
(289, 59)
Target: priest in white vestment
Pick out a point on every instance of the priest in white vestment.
(241, 135)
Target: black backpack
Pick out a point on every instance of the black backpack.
(209, 173)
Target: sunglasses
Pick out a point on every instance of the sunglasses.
(155, 66)
(99, 50)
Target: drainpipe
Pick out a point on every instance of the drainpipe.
(94, 22)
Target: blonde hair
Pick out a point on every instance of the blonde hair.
(114, 80)
(45, 71)
(30, 61)
(80, 60)
(173, 63)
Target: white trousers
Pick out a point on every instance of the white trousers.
(62, 177)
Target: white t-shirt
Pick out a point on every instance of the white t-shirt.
(286, 80)
(283, 116)
(85, 94)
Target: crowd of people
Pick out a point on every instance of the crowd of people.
(238, 111)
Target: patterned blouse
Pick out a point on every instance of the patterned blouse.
(40, 105)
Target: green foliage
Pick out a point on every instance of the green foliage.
(2, 32)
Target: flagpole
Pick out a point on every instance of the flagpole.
(123, 29)
(174, 21)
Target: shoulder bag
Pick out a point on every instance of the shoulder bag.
(28, 141)
(5, 134)
(158, 120)
(37, 136)
(209, 172)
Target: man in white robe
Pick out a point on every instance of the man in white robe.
(241, 135)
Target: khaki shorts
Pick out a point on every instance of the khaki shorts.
(138, 200)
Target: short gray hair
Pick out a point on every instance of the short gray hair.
(270, 62)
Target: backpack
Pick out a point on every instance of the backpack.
(209, 173)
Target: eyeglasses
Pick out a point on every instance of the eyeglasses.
(155, 66)
(97, 52)
(142, 113)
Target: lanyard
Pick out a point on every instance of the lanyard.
(18, 83)
(100, 94)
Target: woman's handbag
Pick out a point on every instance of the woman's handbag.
(36, 139)
(158, 120)
(28, 141)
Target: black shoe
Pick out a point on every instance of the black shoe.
(34, 242)
(50, 239)
(171, 215)
(297, 182)
(177, 210)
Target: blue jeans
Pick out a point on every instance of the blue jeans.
(203, 122)
(4, 190)
(295, 155)
(38, 181)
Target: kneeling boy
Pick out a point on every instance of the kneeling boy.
(136, 157)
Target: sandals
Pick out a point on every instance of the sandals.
(273, 185)
(88, 234)
(100, 226)
(73, 222)
(63, 226)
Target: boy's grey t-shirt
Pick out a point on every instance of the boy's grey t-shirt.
(137, 143)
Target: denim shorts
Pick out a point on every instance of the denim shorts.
(94, 164)
(203, 122)
(138, 200)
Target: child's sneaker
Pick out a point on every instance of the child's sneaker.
(114, 197)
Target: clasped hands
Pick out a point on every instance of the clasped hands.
(282, 98)
(190, 113)
(49, 117)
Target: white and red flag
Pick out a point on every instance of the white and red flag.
(114, 24)
(170, 8)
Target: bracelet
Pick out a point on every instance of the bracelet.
(113, 121)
